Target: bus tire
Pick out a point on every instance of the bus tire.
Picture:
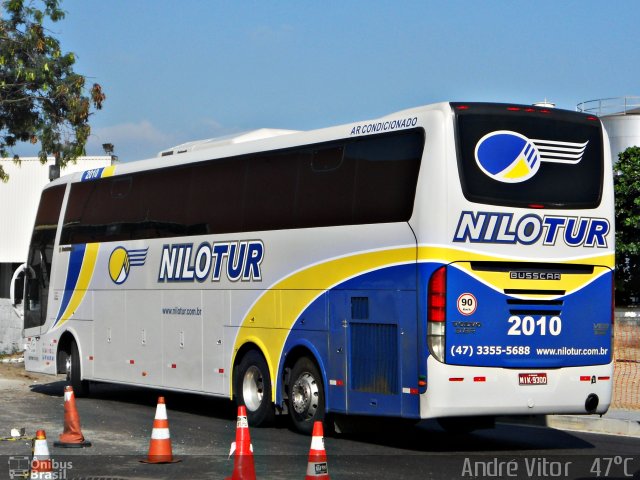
(306, 395)
(74, 373)
(253, 389)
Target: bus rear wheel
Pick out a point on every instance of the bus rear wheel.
(305, 396)
(253, 389)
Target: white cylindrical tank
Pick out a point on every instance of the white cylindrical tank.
(620, 117)
(623, 130)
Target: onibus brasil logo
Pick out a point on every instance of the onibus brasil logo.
(121, 261)
(510, 157)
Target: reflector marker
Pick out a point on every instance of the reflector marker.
(410, 391)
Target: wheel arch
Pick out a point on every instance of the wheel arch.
(239, 355)
(64, 345)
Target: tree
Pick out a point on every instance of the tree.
(627, 202)
(42, 100)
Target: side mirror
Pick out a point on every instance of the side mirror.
(16, 290)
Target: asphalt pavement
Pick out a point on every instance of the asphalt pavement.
(117, 419)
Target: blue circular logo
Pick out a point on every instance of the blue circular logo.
(507, 157)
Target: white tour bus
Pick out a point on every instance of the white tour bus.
(453, 261)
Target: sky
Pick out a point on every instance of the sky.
(182, 70)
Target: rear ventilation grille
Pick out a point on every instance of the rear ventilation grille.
(360, 308)
(564, 269)
(533, 291)
(535, 307)
(374, 358)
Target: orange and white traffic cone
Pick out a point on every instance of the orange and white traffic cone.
(243, 467)
(317, 466)
(41, 462)
(71, 437)
(160, 445)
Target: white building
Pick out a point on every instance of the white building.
(620, 117)
(18, 203)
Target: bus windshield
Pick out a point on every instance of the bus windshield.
(523, 156)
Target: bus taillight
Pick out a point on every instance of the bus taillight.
(437, 313)
(437, 295)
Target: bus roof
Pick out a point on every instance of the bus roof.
(225, 140)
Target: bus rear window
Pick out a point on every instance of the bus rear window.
(529, 157)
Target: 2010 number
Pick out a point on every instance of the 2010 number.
(530, 326)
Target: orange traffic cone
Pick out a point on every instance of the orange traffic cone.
(41, 462)
(71, 437)
(243, 467)
(317, 466)
(160, 445)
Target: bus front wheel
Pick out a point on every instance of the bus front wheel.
(253, 389)
(306, 395)
(74, 374)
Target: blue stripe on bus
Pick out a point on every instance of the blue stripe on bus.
(73, 272)
(374, 382)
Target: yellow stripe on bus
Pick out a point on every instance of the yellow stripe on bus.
(270, 319)
(268, 326)
(84, 278)
(108, 171)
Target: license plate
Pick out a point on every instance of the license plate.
(533, 379)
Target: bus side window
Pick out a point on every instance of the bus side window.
(386, 176)
(325, 188)
(269, 193)
(327, 159)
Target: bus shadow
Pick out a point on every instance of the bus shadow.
(191, 403)
(427, 436)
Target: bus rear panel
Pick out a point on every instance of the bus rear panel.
(524, 323)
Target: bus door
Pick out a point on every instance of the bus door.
(37, 286)
(38, 269)
(39, 260)
(373, 350)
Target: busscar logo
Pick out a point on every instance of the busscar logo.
(535, 276)
(121, 261)
(510, 157)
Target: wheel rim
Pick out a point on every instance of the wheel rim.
(253, 388)
(305, 396)
(67, 366)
